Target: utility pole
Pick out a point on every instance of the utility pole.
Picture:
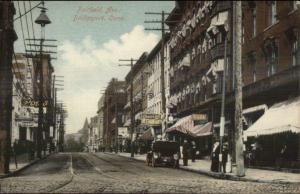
(55, 90)
(42, 20)
(162, 62)
(131, 104)
(116, 132)
(7, 38)
(237, 60)
(222, 119)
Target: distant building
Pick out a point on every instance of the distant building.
(114, 101)
(100, 114)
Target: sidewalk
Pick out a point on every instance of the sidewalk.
(253, 175)
(22, 163)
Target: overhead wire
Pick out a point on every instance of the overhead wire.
(23, 35)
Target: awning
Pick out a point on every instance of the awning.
(127, 105)
(202, 130)
(281, 117)
(185, 125)
(147, 135)
(138, 116)
(127, 123)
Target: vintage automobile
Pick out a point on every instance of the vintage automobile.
(164, 152)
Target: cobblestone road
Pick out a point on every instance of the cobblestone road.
(90, 173)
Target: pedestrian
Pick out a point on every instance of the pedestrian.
(215, 157)
(185, 149)
(281, 157)
(224, 156)
(15, 151)
(193, 151)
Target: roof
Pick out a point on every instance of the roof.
(137, 66)
(281, 117)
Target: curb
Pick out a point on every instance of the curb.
(19, 170)
(222, 175)
(233, 177)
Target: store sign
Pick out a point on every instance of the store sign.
(199, 117)
(28, 124)
(33, 103)
(151, 122)
(123, 131)
(151, 119)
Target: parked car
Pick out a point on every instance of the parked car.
(164, 152)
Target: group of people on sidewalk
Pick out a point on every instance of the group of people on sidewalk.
(218, 153)
(186, 149)
(217, 165)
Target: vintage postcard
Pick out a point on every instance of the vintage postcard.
(150, 97)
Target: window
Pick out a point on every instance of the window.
(272, 12)
(295, 52)
(253, 65)
(243, 34)
(254, 21)
(295, 4)
(272, 57)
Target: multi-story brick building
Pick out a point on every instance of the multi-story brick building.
(24, 122)
(154, 85)
(139, 76)
(114, 101)
(270, 51)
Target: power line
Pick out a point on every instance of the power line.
(32, 24)
(21, 15)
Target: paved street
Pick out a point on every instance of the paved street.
(83, 172)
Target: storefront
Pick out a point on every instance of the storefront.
(195, 128)
(273, 140)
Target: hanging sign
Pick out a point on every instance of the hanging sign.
(33, 103)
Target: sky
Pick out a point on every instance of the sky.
(92, 36)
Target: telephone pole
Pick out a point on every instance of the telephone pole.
(162, 62)
(7, 38)
(237, 60)
(43, 20)
(131, 103)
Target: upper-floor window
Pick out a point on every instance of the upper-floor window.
(295, 51)
(272, 12)
(243, 34)
(254, 21)
(252, 61)
(272, 57)
(295, 4)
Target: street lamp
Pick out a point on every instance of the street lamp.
(42, 20)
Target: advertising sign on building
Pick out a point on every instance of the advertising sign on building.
(199, 117)
(33, 103)
(123, 131)
(151, 119)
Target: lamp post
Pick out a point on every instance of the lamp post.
(42, 20)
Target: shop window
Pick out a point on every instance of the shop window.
(22, 133)
(295, 50)
(219, 38)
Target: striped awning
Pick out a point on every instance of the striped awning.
(281, 117)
